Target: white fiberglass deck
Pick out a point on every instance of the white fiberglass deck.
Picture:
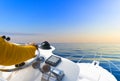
(91, 72)
(72, 71)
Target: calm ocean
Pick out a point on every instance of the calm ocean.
(107, 54)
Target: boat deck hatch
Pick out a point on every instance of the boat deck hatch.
(53, 60)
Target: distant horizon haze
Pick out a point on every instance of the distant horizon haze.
(36, 37)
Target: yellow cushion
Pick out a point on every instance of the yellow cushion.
(11, 54)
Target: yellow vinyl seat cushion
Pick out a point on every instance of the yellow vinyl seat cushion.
(11, 54)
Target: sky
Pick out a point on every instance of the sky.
(72, 21)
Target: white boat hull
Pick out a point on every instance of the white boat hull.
(91, 72)
(72, 71)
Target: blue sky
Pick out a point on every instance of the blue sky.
(61, 20)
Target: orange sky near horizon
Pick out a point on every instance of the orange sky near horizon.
(66, 38)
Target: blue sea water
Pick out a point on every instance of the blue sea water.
(107, 54)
